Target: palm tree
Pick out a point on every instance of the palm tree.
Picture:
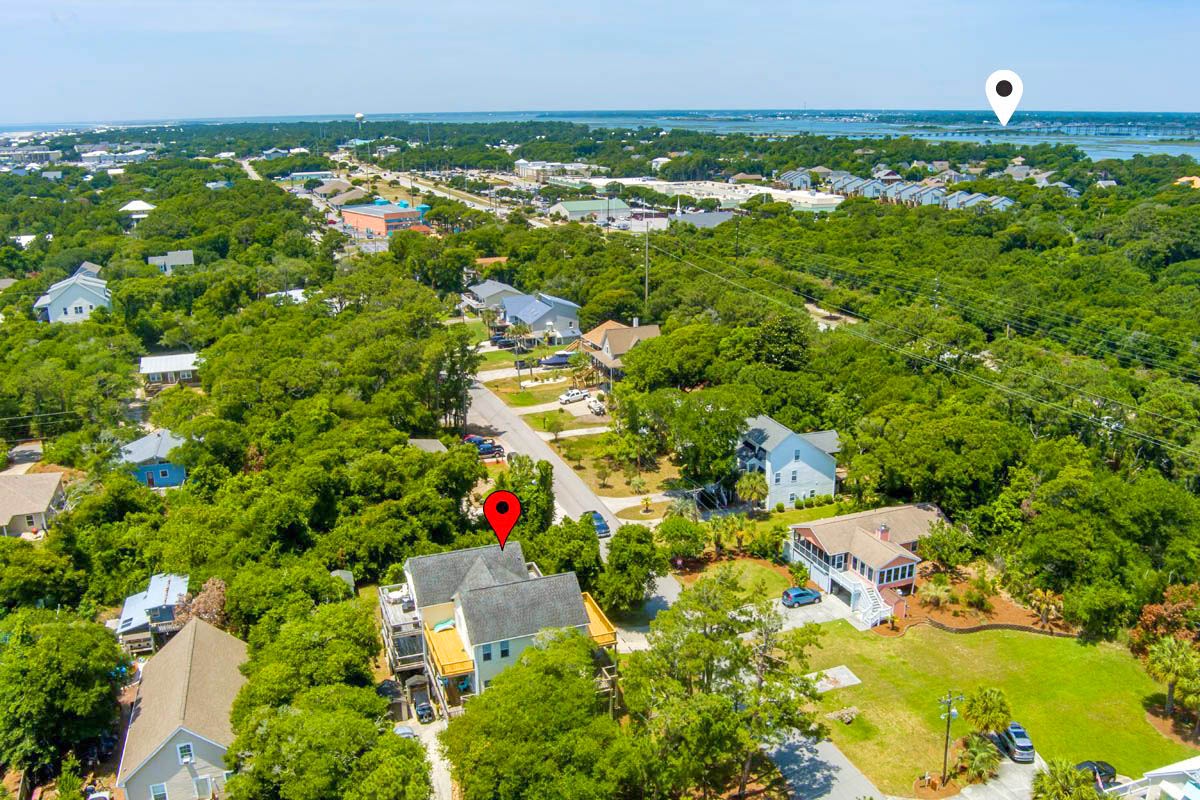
(987, 709)
(979, 757)
(1045, 603)
(489, 316)
(520, 332)
(752, 487)
(1169, 661)
(1061, 781)
(935, 594)
(684, 506)
(1189, 698)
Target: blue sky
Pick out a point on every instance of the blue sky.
(84, 60)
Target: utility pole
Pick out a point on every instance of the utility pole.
(646, 281)
(737, 237)
(950, 715)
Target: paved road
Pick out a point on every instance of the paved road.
(819, 771)
(254, 176)
(22, 457)
(490, 414)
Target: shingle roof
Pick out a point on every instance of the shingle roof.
(152, 447)
(436, 578)
(190, 683)
(522, 608)
(31, 493)
(175, 362)
(856, 533)
(769, 434)
(485, 289)
(595, 336)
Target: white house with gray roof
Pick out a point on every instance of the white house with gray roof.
(174, 258)
(489, 294)
(75, 298)
(797, 466)
(30, 502)
(465, 615)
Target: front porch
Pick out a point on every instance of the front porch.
(867, 606)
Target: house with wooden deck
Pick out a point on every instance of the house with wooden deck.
(867, 559)
(148, 618)
(461, 617)
(608, 342)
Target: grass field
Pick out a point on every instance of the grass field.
(570, 421)
(635, 514)
(749, 573)
(1077, 701)
(499, 359)
(795, 515)
(589, 447)
(511, 392)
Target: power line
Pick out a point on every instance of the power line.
(1146, 438)
(1039, 376)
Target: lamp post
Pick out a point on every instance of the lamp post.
(949, 715)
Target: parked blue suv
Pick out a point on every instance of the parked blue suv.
(796, 596)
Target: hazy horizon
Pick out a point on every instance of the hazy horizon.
(136, 60)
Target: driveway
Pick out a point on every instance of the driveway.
(1014, 782)
(440, 768)
(817, 770)
(22, 457)
(829, 609)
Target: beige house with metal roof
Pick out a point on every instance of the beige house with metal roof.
(28, 503)
(867, 559)
(179, 729)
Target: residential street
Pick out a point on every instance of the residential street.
(254, 176)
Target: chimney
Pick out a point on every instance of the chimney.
(635, 322)
(883, 531)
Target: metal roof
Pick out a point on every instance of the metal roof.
(176, 362)
(164, 590)
(153, 447)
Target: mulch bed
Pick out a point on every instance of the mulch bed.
(1005, 610)
(1176, 729)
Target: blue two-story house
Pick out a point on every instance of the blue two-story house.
(148, 458)
(797, 466)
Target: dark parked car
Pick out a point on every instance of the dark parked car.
(1017, 744)
(795, 597)
(600, 524)
(556, 360)
(1104, 773)
(471, 438)
(424, 712)
(490, 450)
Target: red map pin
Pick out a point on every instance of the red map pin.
(502, 510)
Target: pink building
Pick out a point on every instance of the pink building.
(380, 220)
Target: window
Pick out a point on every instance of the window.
(791, 497)
(155, 377)
(839, 561)
(504, 649)
(487, 652)
(30, 521)
(186, 375)
(65, 310)
(793, 476)
(78, 309)
(812, 492)
(203, 787)
(778, 477)
(158, 791)
(162, 473)
(185, 752)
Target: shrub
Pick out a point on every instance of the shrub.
(977, 600)
(779, 508)
(798, 504)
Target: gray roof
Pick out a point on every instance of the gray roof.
(437, 578)
(153, 447)
(486, 289)
(524, 308)
(522, 608)
(552, 300)
(6, 282)
(703, 219)
(173, 258)
(769, 434)
(190, 683)
(428, 445)
(164, 589)
(31, 493)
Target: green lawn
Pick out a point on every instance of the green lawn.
(796, 515)
(478, 330)
(499, 359)
(570, 421)
(749, 573)
(511, 392)
(657, 511)
(1077, 701)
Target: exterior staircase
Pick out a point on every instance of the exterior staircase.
(873, 609)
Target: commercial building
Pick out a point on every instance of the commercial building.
(578, 210)
(380, 219)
